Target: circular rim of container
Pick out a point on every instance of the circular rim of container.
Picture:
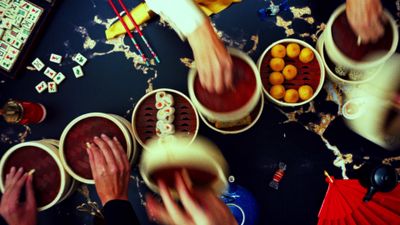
(261, 102)
(321, 49)
(317, 57)
(47, 149)
(136, 135)
(350, 62)
(238, 113)
(117, 122)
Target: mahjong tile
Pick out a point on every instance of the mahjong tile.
(35, 11)
(52, 87)
(55, 58)
(5, 23)
(4, 5)
(14, 32)
(1, 33)
(80, 59)
(2, 12)
(42, 86)
(12, 51)
(17, 21)
(2, 54)
(21, 12)
(3, 46)
(27, 24)
(78, 71)
(8, 39)
(49, 72)
(60, 77)
(38, 64)
(9, 58)
(17, 44)
(26, 6)
(6, 65)
(10, 14)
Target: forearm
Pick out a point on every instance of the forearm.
(119, 212)
(183, 15)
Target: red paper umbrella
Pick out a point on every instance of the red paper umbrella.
(344, 205)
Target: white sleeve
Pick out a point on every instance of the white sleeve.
(183, 15)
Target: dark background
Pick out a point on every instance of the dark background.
(112, 85)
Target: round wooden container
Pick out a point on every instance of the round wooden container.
(311, 73)
(231, 105)
(82, 130)
(51, 183)
(144, 117)
(342, 48)
(127, 124)
(202, 160)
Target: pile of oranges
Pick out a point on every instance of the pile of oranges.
(282, 72)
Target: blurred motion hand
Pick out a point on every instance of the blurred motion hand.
(12, 210)
(213, 62)
(200, 207)
(366, 18)
(110, 168)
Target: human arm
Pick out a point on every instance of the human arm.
(111, 171)
(212, 60)
(366, 19)
(12, 210)
(199, 206)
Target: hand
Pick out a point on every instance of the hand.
(200, 207)
(110, 168)
(213, 62)
(366, 18)
(12, 210)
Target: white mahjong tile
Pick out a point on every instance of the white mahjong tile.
(14, 32)
(27, 24)
(60, 77)
(80, 59)
(10, 57)
(8, 39)
(52, 87)
(78, 71)
(5, 23)
(23, 34)
(2, 54)
(6, 65)
(26, 6)
(1, 33)
(10, 13)
(4, 46)
(17, 21)
(4, 5)
(12, 51)
(21, 12)
(18, 2)
(55, 58)
(42, 86)
(17, 44)
(35, 11)
(38, 64)
(2, 12)
(49, 72)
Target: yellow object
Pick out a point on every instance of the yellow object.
(291, 96)
(142, 13)
(278, 51)
(305, 92)
(292, 50)
(290, 72)
(277, 64)
(306, 55)
(276, 78)
(277, 91)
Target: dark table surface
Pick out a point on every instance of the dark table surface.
(113, 83)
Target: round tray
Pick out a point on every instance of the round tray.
(311, 73)
(144, 117)
(76, 161)
(51, 183)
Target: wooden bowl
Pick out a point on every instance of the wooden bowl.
(144, 117)
(311, 73)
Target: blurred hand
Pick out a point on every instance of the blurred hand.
(110, 168)
(213, 62)
(366, 18)
(200, 207)
(12, 210)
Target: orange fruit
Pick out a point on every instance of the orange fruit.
(305, 92)
(278, 51)
(276, 78)
(292, 50)
(291, 96)
(290, 72)
(306, 55)
(277, 64)
(277, 91)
